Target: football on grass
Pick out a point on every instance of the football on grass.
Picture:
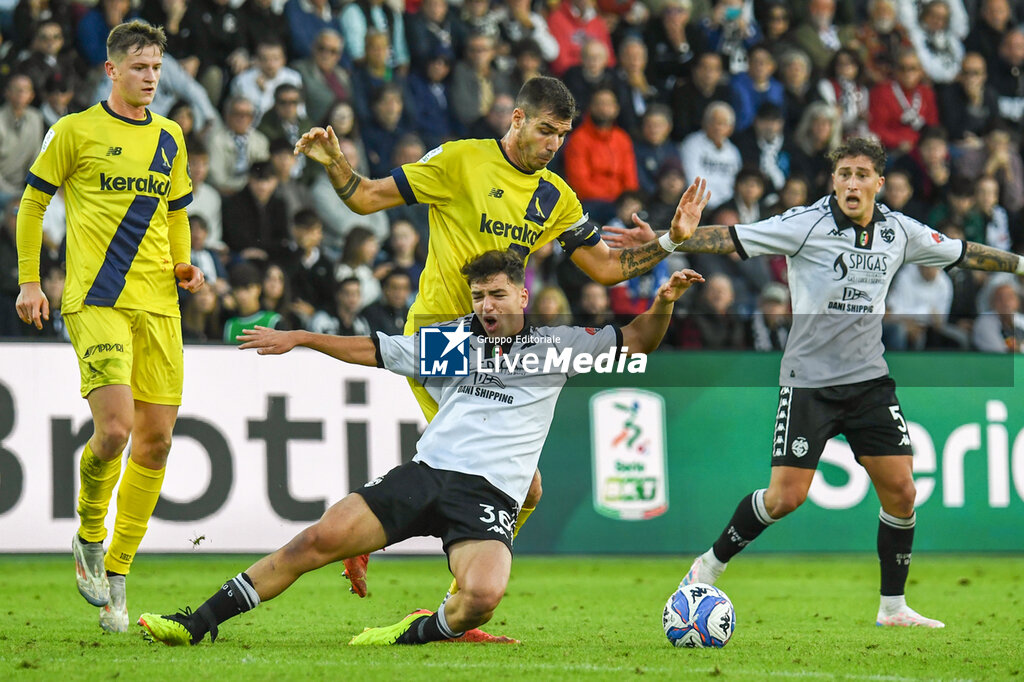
(699, 616)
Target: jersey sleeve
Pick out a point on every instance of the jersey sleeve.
(926, 246)
(769, 236)
(180, 194)
(399, 353)
(429, 180)
(57, 157)
(590, 340)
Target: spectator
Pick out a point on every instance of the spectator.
(958, 209)
(290, 189)
(10, 324)
(709, 154)
(372, 74)
(1007, 76)
(183, 28)
(844, 87)
(309, 270)
(994, 20)
(528, 63)
(764, 146)
(276, 297)
(997, 220)
(730, 30)
(1000, 158)
(901, 108)
(405, 251)
(653, 149)
(775, 24)
(324, 80)
(286, 120)
(518, 22)
(264, 23)
(246, 290)
(478, 18)
(917, 310)
(573, 23)
(755, 87)
(909, 11)
(255, 220)
(475, 80)
(713, 323)
(497, 121)
(235, 146)
(819, 36)
(929, 165)
(206, 201)
(95, 26)
(225, 45)
(795, 74)
(57, 96)
(344, 318)
(307, 21)
(898, 194)
(358, 19)
(338, 218)
(259, 83)
(357, 258)
(384, 131)
(53, 281)
(201, 317)
(47, 60)
(673, 43)
(599, 160)
(938, 47)
(634, 92)
(433, 30)
(671, 184)
(30, 15)
(594, 309)
(880, 41)
(182, 114)
(550, 308)
(690, 99)
(970, 105)
(817, 134)
(1002, 329)
(388, 313)
(768, 329)
(21, 131)
(205, 258)
(748, 199)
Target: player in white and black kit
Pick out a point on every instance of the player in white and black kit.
(473, 465)
(842, 253)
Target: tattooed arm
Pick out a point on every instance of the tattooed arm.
(981, 257)
(709, 239)
(608, 267)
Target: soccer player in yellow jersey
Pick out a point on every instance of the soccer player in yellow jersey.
(483, 195)
(125, 177)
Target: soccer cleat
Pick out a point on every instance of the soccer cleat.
(478, 636)
(700, 572)
(388, 634)
(355, 571)
(89, 571)
(906, 617)
(172, 630)
(114, 616)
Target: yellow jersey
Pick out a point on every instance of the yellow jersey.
(480, 201)
(120, 178)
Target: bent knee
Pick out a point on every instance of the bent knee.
(784, 502)
(481, 601)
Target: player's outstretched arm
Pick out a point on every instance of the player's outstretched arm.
(360, 194)
(981, 257)
(611, 267)
(645, 332)
(356, 350)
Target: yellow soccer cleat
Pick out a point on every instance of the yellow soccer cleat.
(388, 634)
(170, 630)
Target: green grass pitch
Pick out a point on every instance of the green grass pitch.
(593, 618)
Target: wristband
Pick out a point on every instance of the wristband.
(666, 243)
(1020, 266)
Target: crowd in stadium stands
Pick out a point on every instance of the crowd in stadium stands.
(750, 94)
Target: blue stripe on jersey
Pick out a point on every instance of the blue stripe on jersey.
(109, 282)
(403, 186)
(163, 157)
(180, 202)
(543, 202)
(38, 183)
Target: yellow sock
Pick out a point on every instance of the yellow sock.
(524, 514)
(98, 479)
(136, 499)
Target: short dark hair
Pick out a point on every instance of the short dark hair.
(306, 218)
(393, 273)
(859, 146)
(544, 94)
(495, 262)
(245, 274)
(134, 36)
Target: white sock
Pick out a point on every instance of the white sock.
(716, 566)
(892, 604)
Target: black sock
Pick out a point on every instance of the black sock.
(428, 629)
(895, 541)
(234, 597)
(747, 522)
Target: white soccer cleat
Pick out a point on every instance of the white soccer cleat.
(906, 617)
(89, 571)
(114, 616)
(701, 572)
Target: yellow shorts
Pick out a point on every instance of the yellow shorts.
(131, 348)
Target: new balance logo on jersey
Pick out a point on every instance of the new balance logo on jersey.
(517, 233)
(496, 193)
(113, 151)
(151, 184)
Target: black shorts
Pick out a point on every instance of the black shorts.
(867, 413)
(414, 500)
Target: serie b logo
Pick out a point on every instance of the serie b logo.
(444, 351)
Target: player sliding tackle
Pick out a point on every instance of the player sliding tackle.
(468, 479)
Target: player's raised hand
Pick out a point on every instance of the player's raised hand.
(32, 305)
(266, 341)
(689, 210)
(190, 278)
(321, 145)
(628, 237)
(677, 284)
